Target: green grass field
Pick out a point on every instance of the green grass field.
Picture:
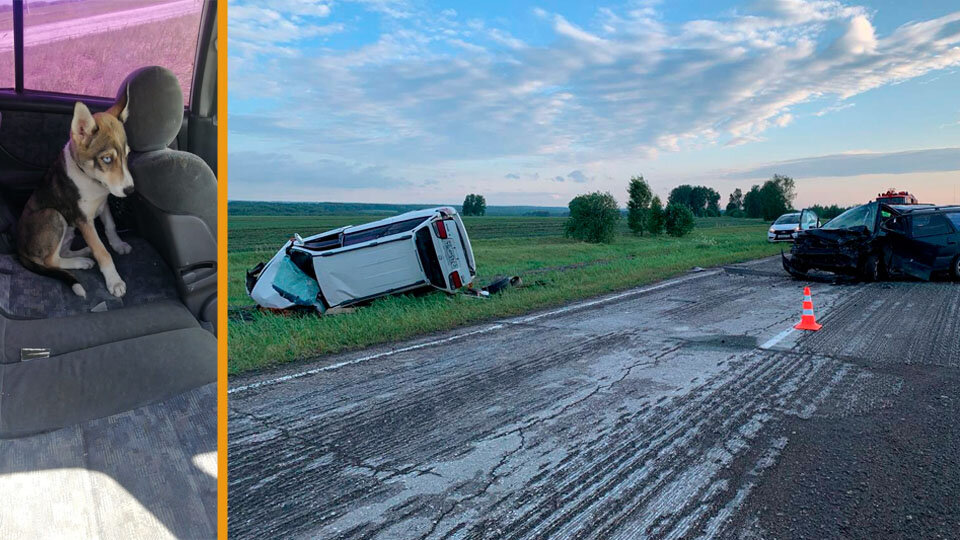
(555, 270)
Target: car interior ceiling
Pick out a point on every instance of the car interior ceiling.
(158, 339)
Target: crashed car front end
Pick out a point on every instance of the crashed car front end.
(839, 251)
(848, 244)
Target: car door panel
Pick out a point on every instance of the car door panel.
(358, 272)
(896, 245)
(923, 251)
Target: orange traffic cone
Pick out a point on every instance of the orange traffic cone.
(808, 321)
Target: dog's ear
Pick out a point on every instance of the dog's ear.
(83, 124)
(119, 109)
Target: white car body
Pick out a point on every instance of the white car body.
(353, 264)
(784, 232)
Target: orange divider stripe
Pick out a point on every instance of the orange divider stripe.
(222, 116)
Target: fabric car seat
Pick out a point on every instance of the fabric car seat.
(175, 203)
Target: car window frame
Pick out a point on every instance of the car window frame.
(20, 98)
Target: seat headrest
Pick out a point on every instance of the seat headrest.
(154, 108)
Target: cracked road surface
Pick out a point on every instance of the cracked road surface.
(681, 410)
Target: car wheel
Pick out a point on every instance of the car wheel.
(871, 268)
(956, 268)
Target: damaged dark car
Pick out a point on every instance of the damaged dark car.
(877, 240)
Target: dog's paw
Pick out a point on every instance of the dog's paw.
(82, 263)
(117, 288)
(121, 247)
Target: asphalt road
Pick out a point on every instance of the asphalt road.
(687, 409)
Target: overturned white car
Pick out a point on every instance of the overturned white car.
(353, 264)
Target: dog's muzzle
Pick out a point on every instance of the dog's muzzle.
(128, 190)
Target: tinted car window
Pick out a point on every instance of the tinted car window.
(88, 47)
(930, 225)
(788, 219)
(6, 44)
(955, 218)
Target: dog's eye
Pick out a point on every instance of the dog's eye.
(107, 159)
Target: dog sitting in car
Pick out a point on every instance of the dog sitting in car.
(74, 191)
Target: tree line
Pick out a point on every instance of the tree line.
(594, 216)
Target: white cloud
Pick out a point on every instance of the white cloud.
(834, 108)
(859, 37)
(783, 120)
(399, 9)
(255, 29)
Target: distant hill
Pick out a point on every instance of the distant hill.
(266, 208)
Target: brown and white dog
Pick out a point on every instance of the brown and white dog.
(73, 193)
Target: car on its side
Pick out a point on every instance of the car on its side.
(876, 240)
(416, 250)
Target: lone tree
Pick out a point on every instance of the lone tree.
(593, 217)
(638, 207)
(678, 219)
(656, 217)
(776, 196)
(735, 206)
(474, 205)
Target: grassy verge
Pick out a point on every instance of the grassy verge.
(555, 270)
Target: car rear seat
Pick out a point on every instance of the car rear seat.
(175, 203)
(64, 359)
(99, 364)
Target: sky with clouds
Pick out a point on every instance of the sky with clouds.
(535, 102)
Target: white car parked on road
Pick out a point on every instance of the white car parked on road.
(353, 264)
(785, 228)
